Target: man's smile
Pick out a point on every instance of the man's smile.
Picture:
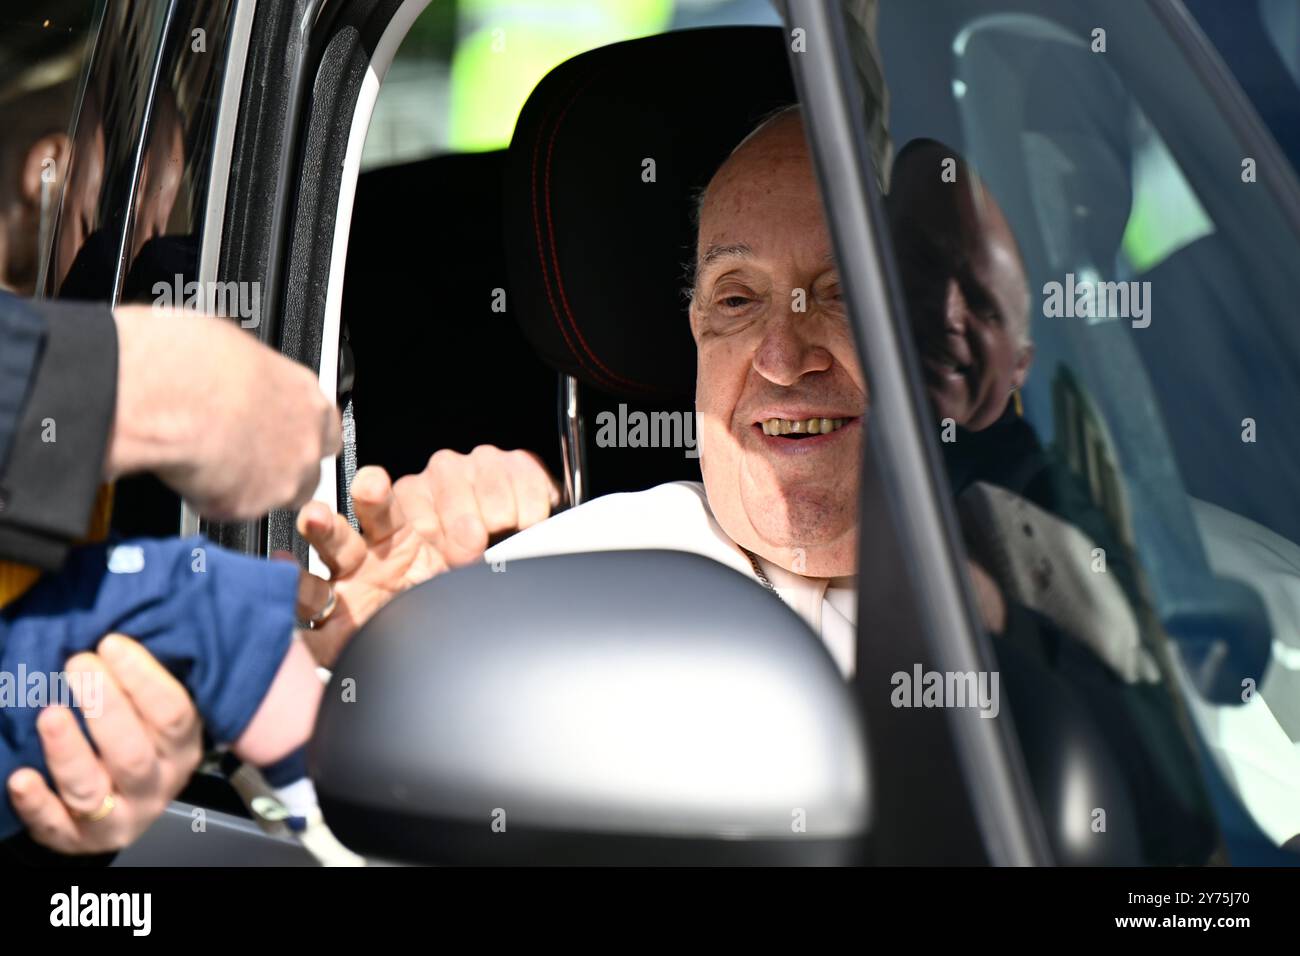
(942, 367)
(801, 427)
(803, 435)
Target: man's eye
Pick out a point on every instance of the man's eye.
(734, 301)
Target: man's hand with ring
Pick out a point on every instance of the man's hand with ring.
(148, 738)
(412, 530)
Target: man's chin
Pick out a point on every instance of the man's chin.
(949, 407)
(802, 519)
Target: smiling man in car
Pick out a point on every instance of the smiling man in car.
(783, 406)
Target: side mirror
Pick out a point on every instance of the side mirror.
(632, 707)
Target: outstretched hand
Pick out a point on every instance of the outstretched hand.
(367, 569)
(417, 528)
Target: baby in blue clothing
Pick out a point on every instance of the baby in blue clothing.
(222, 622)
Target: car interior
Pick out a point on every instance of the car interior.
(591, 258)
(549, 222)
(1159, 435)
(485, 290)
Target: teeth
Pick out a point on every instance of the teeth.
(812, 426)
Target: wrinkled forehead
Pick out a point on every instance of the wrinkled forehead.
(765, 196)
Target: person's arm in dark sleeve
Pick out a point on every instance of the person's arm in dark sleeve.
(55, 460)
(22, 335)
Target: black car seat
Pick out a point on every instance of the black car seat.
(606, 159)
(435, 366)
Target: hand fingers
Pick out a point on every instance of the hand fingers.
(464, 534)
(43, 814)
(313, 591)
(126, 747)
(331, 444)
(378, 511)
(415, 496)
(536, 492)
(494, 490)
(81, 781)
(338, 545)
(304, 492)
(159, 700)
(313, 596)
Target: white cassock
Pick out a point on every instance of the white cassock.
(676, 517)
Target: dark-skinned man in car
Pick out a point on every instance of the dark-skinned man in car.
(1026, 515)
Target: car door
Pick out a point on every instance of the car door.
(1137, 183)
(194, 67)
(307, 160)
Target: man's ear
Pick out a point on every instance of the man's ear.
(1023, 362)
(46, 161)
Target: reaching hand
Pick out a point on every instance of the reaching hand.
(441, 518)
(366, 569)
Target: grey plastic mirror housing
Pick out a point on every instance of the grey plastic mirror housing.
(623, 707)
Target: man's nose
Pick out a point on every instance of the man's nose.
(788, 353)
(956, 311)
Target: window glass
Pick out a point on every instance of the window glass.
(1259, 42)
(465, 68)
(43, 56)
(97, 194)
(1281, 18)
(171, 189)
(1098, 284)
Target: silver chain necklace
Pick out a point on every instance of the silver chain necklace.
(758, 570)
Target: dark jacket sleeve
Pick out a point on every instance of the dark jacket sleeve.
(22, 338)
(54, 461)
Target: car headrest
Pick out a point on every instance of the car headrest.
(601, 177)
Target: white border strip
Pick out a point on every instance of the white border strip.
(219, 175)
(385, 50)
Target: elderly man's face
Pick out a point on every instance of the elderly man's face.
(780, 393)
(966, 289)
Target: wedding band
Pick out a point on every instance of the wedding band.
(104, 810)
(321, 616)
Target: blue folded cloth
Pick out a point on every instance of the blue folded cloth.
(218, 620)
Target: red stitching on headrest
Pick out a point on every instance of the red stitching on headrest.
(540, 245)
(559, 283)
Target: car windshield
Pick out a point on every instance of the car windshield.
(1107, 335)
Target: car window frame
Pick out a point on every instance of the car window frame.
(992, 765)
(1008, 830)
